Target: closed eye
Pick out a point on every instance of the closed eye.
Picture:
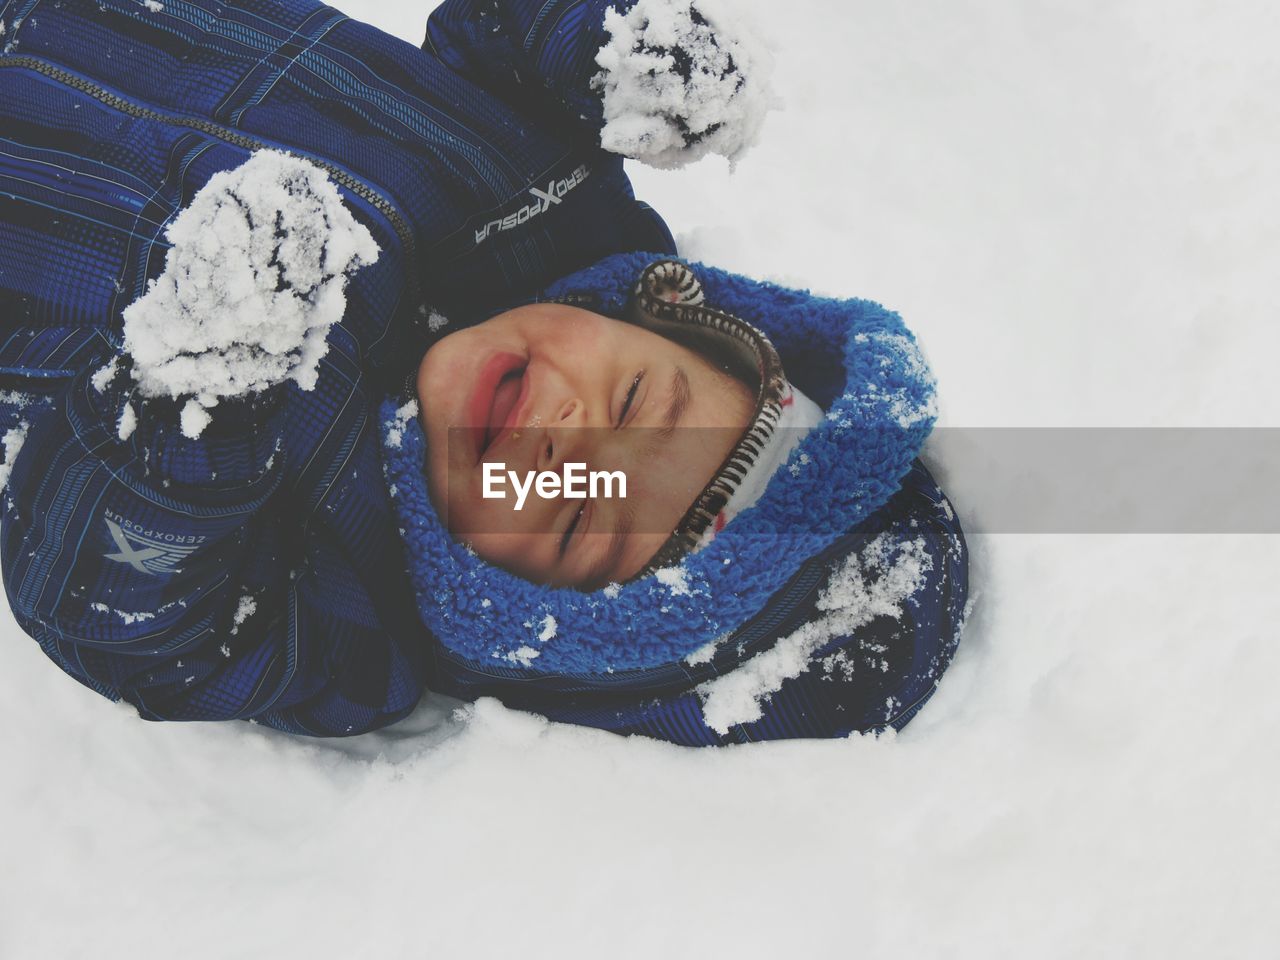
(630, 399)
(567, 536)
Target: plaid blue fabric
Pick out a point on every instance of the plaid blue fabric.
(135, 564)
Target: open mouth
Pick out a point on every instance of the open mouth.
(496, 399)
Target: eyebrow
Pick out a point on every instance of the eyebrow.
(681, 397)
(613, 552)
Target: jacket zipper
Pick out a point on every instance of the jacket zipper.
(356, 186)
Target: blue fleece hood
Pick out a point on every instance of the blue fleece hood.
(853, 357)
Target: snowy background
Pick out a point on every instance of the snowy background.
(1075, 204)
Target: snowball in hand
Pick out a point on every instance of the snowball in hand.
(253, 281)
(679, 81)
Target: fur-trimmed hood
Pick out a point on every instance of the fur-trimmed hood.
(853, 357)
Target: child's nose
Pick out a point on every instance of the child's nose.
(566, 438)
(570, 414)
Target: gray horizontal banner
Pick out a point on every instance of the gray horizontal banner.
(1000, 479)
(1110, 480)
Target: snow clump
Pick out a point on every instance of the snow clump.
(524, 656)
(104, 375)
(194, 419)
(397, 427)
(874, 583)
(675, 579)
(704, 654)
(127, 423)
(436, 321)
(254, 279)
(13, 440)
(681, 79)
(246, 608)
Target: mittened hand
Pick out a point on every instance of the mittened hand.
(254, 279)
(681, 79)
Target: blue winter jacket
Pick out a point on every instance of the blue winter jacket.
(258, 572)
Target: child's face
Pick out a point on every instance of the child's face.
(546, 384)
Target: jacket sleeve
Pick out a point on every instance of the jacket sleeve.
(532, 53)
(169, 572)
(130, 549)
(664, 82)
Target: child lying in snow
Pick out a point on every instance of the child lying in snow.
(197, 519)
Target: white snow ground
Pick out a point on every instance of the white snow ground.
(1076, 206)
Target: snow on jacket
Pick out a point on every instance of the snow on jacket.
(257, 571)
